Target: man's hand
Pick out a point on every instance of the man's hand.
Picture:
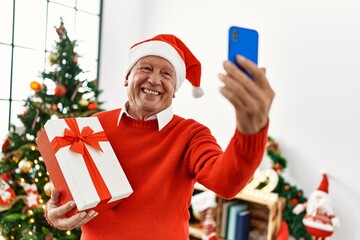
(55, 214)
(251, 98)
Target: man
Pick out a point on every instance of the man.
(162, 154)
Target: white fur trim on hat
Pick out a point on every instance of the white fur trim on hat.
(161, 49)
(197, 92)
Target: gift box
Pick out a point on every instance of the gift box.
(82, 164)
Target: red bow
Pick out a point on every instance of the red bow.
(77, 140)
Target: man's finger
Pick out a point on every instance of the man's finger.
(62, 210)
(54, 198)
(76, 220)
(253, 70)
(234, 71)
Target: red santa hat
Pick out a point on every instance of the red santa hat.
(324, 185)
(176, 52)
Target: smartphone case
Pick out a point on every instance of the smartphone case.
(243, 41)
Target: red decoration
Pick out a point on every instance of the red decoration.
(7, 194)
(277, 166)
(5, 145)
(54, 107)
(207, 218)
(60, 90)
(287, 187)
(294, 201)
(75, 59)
(32, 194)
(320, 220)
(299, 194)
(283, 233)
(93, 105)
(6, 176)
(34, 85)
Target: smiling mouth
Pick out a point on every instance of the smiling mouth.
(151, 92)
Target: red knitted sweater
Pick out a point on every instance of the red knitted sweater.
(162, 167)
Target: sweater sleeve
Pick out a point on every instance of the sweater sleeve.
(226, 172)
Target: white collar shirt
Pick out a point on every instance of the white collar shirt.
(163, 117)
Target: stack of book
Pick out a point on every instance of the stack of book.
(236, 221)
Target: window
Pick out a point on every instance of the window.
(27, 34)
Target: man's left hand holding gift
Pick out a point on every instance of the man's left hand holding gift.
(56, 214)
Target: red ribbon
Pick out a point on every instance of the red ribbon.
(77, 140)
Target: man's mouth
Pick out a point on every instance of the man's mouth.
(151, 92)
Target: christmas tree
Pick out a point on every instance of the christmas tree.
(292, 194)
(25, 185)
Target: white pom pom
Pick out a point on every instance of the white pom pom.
(197, 92)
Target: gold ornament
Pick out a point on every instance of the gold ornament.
(16, 157)
(48, 187)
(53, 58)
(25, 165)
(83, 102)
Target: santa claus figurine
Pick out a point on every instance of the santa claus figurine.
(319, 220)
(7, 195)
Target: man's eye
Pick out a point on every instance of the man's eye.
(167, 74)
(145, 69)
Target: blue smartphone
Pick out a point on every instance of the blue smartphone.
(243, 41)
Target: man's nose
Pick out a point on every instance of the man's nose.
(154, 79)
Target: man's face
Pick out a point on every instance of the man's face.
(151, 86)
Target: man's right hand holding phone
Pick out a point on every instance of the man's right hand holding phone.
(251, 98)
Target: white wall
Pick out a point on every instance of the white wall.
(122, 26)
(311, 50)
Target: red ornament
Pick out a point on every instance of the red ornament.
(93, 106)
(34, 85)
(287, 187)
(299, 194)
(277, 166)
(5, 145)
(60, 90)
(294, 201)
(54, 107)
(6, 176)
(75, 59)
